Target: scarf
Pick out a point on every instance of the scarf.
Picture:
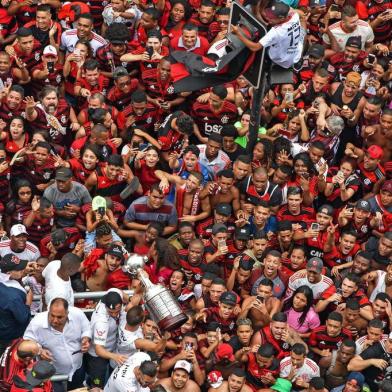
(180, 201)
(52, 120)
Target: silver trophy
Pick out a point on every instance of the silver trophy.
(159, 301)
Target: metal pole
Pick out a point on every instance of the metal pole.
(88, 295)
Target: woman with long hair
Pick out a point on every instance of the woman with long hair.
(301, 315)
(179, 14)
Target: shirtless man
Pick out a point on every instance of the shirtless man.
(379, 282)
(223, 190)
(262, 306)
(96, 277)
(334, 367)
(235, 383)
(352, 320)
(179, 380)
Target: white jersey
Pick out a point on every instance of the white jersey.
(69, 38)
(285, 42)
(103, 329)
(123, 378)
(300, 279)
(30, 252)
(360, 343)
(307, 371)
(380, 287)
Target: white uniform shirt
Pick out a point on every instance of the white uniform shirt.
(123, 378)
(307, 371)
(30, 253)
(222, 161)
(299, 279)
(360, 343)
(55, 287)
(103, 329)
(285, 42)
(69, 38)
(65, 346)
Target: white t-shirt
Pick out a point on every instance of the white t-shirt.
(55, 286)
(285, 42)
(307, 371)
(30, 253)
(123, 378)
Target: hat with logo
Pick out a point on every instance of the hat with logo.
(363, 205)
(116, 250)
(387, 186)
(315, 264)
(224, 351)
(111, 299)
(40, 372)
(242, 233)
(219, 228)
(228, 298)
(326, 209)
(359, 378)
(11, 262)
(215, 379)
(317, 3)
(119, 72)
(184, 365)
(375, 152)
(353, 78)
(282, 385)
(223, 209)
(354, 42)
(18, 229)
(277, 10)
(98, 202)
(63, 174)
(58, 237)
(316, 51)
(50, 50)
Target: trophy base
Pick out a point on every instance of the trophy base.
(169, 323)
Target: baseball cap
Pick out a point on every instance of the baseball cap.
(18, 229)
(326, 209)
(182, 364)
(219, 228)
(354, 42)
(215, 378)
(119, 72)
(277, 10)
(223, 209)
(358, 377)
(11, 262)
(111, 299)
(363, 205)
(228, 298)
(317, 3)
(354, 78)
(317, 51)
(63, 174)
(242, 233)
(98, 202)
(116, 250)
(49, 50)
(375, 152)
(40, 372)
(224, 351)
(58, 237)
(387, 186)
(315, 264)
(282, 385)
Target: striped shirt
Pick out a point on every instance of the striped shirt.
(30, 252)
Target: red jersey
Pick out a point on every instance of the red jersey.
(54, 79)
(156, 87)
(336, 257)
(321, 340)
(73, 236)
(32, 59)
(147, 120)
(120, 100)
(150, 64)
(102, 87)
(201, 47)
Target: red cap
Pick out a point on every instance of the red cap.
(387, 186)
(224, 351)
(375, 152)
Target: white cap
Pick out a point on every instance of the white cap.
(182, 364)
(50, 50)
(18, 230)
(390, 336)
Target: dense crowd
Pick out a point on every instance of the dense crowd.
(274, 238)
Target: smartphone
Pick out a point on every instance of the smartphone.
(340, 174)
(188, 346)
(2, 159)
(334, 8)
(289, 97)
(101, 211)
(260, 298)
(305, 175)
(221, 243)
(77, 51)
(339, 291)
(135, 145)
(50, 66)
(150, 50)
(371, 58)
(316, 104)
(315, 226)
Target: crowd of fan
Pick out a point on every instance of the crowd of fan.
(277, 246)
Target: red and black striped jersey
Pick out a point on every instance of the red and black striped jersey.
(382, 32)
(156, 88)
(96, 10)
(145, 121)
(320, 339)
(55, 79)
(343, 67)
(73, 236)
(6, 112)
(30, 59)
(17, 211)
(40, 228)
(306, 215)
(120, 100)
(202, 27)
(108, 60)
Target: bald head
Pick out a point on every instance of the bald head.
(27, 348)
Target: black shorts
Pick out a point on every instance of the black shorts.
(97, 370)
